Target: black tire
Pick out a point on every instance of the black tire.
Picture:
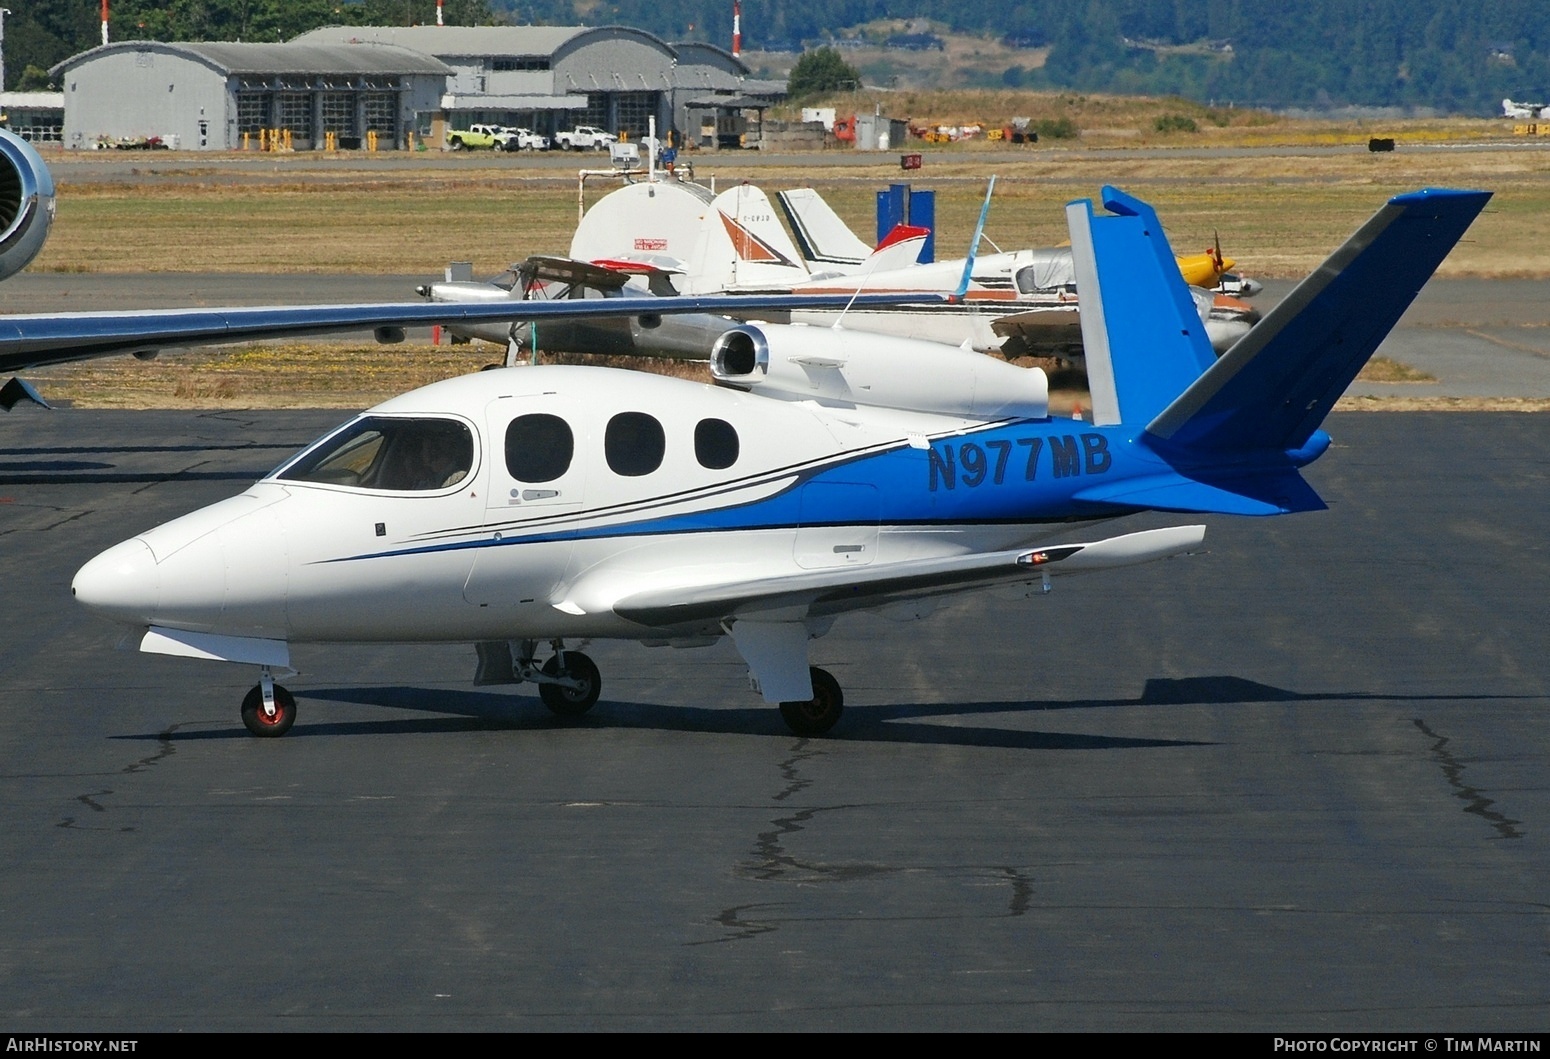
(820, 713)
(456, 145)
(255, 721)
(567, 702)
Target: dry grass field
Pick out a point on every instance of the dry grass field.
(1278, 211)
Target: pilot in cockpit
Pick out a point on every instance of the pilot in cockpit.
(429, 457)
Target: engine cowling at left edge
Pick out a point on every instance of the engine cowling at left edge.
(26, 203)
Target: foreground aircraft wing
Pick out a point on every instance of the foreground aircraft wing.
(821, 592)
(28, 341)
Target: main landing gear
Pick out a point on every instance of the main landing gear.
(572, 685)
(268, 709)
(820, 713)
(568, 682)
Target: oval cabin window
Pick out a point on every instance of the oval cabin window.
(633, 444)
(715, 444)
(539, 447)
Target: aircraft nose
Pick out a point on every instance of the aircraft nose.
(123, 583)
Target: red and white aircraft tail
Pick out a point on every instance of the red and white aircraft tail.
(727, 242)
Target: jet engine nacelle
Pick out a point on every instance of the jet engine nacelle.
(834, 366)
(26, 203)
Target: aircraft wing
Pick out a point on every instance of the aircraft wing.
(32, 340)
(547, 269)
(816, 593)
(1037, 325)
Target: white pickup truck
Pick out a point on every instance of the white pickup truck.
(496, 137)
(584, 138)
(522, 140)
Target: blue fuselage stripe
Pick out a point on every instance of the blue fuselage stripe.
(1020, 472)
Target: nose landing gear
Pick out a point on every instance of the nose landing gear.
(268, 709)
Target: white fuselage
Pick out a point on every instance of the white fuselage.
(342, 556)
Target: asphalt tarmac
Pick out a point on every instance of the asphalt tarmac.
(1296, 783)
(1477, 338)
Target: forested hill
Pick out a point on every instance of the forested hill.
(1460, 56)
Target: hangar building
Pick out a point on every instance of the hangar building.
(549, 78)
(38, 117)
(206, 95)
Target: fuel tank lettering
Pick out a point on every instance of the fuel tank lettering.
(973, 464)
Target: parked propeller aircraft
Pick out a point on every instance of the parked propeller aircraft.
(677, 237)
(824, 471)
(829, 247)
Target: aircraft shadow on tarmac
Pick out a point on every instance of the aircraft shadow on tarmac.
(465, 711)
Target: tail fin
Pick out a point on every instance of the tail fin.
(1236, 432)
(750, 243)
(1141, 335)
(1272, 389)
(825, 240)
(900, 248)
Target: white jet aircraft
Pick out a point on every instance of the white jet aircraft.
(825, 471)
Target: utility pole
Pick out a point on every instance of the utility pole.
(3, 12)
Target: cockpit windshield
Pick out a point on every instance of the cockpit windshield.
(388, 452)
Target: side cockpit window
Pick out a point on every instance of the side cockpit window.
(539, 447)
(382, 452)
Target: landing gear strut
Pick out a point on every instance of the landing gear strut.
(268, 709)
(817, 715)
(568, 682)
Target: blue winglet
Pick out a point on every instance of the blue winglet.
(974, 244)
(1274, 387)
(1142, 338)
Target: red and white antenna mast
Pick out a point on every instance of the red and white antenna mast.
(104, 22)
(438, 12)
(737, 26)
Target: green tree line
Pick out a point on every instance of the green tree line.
(1454, 55)
(1460, 56)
